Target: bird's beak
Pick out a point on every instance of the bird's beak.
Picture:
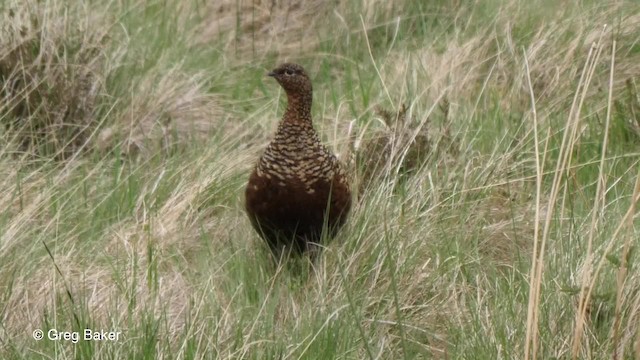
(271, 73)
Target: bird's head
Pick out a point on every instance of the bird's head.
(293, 79)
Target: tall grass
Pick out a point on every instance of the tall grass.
(492, 147)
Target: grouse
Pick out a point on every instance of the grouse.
(298, 187)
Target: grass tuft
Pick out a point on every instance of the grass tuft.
(51, 76)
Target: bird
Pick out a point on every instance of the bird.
(298, 187)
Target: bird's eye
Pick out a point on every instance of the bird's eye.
(288, 72)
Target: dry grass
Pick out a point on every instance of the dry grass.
(400, 147)
(50, 78)
(54, 94)
(254, 29)
(506, 182)
(175, 110)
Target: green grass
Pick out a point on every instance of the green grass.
(122, 191)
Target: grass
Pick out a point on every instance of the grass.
(493, 147)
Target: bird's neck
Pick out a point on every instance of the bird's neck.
(298, 108)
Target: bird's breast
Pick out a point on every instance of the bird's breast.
(293, 161)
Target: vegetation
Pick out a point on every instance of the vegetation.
(494, 146)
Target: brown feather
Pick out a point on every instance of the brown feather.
(298, 187)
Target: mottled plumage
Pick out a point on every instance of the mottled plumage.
(298, 186)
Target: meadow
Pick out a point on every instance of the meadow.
(493, 148)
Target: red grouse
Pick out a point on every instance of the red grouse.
(297, 188)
